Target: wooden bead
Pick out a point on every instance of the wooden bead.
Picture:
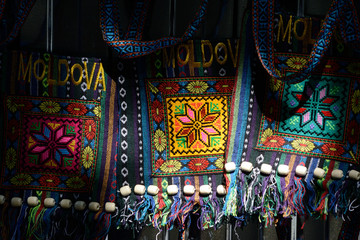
(2, 199)
(205, 189)
(230, 167)
(49, 202)
(94, 206)
(16, 202)
(32, 201)
(189, 190)
(283, 170)
(153, 190)
(110, 207)
(139, 189)
(80, 205)
(319, 173)
(301, 170)
(172, 189)
(354, 175)
(265, 169)
(125, 191)
(246, 167)
(221, 190)
(65, 203)
(337, 174)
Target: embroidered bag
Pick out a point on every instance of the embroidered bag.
(59, 137)
(306, 116)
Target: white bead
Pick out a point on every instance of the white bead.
(319, 173)
(153, 190)
(125, 191)
(94, 206)
(301, 170)
(283, 170)
(172, 189)
(354, 175)
(16, 202)
(110, 207)
(230, 167)
(80, 205)
(49, 202)
(189, 189)
(246, 167)
(205, 189)
(2, 199)
(221, 190)
(32, 201)
(265, 169)
(337, 174)
(65, 203)
(139, 189)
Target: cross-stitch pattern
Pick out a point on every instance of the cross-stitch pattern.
(51, 144)
(189, 124)
(318, 117)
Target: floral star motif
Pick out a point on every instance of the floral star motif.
(198, 124)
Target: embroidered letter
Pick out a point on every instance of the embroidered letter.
(287, 30)
(169, 60)
(203, 44)
(65, 63)
(25, 72)
(36, 69)
(221, 59)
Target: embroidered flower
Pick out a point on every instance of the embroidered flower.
(332, 149)
(170, 166)
(90, 129)
(354, 67)
(157, 111)
(169, 87)
(13, 130)
(75, 182)
(219, 163)
(158, 163)
(198, 164)
(274, 141)
(21, 179)
(159, 140)
(353, 132)
(87, 157)
(97, 111)
(355, 102)
(303, 145)
(49, 181)
(224, 86)
(267, 133)
(275, 84)
(76, 109)
(50, 107)
(12, 106)
(11, 158)
(296, 62)
(197, 87)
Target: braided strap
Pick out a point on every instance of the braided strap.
(341, 15)
(130, 45)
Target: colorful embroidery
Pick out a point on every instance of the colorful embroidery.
(318, 117)
(189, 124)
(51, 144)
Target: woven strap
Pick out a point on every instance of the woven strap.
(130, 45)
(25, 7)
(341, 15)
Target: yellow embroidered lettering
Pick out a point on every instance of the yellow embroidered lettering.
(36, 69)
(89, 80)
(100, 78)
(63, 62)
(24, 71)
(178, 54)
(302, 37)
(235, 58)
(192, 63)
(281, 29)
(208, 44)
(49, 73)
(169, 61)
(221, 59)
(76, 66)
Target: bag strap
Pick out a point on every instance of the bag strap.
(130, 45)
(342, 14)
(24, 9)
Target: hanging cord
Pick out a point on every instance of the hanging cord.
(49, 25)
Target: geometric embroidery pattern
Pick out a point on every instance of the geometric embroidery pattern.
(188, 124)
(319, 117)
(51, 144)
